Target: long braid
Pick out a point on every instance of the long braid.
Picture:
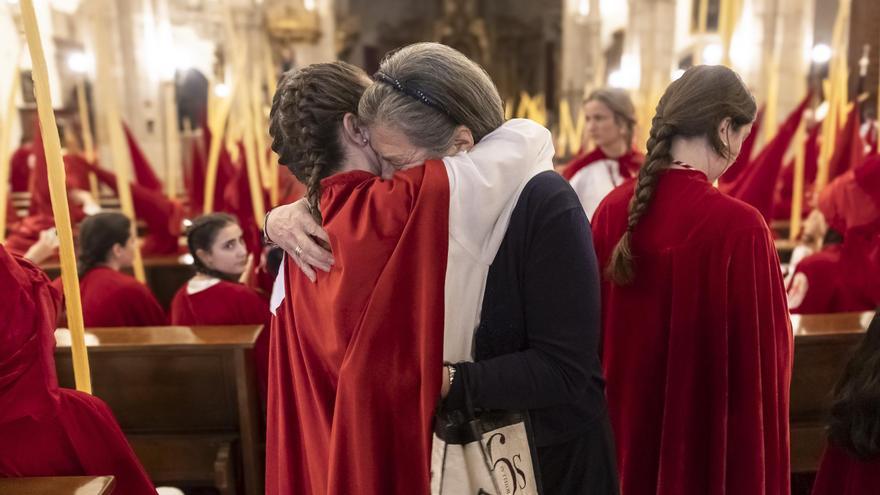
(305, 121)
(693, 106)
(620, 269)
(312, 149)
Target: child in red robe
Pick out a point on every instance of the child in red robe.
(841, 277)
(610, 123)
(214, 295)
(47, 430)
(696, 334)
(851, 463)
(111, 298)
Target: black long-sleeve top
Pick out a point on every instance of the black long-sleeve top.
(536, 347)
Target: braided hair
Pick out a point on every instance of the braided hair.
(97, 236)
(692, 106)
(201, 235)
(306, 117)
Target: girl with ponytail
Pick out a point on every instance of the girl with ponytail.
(215, 295)
(696, 335)
(111, 298)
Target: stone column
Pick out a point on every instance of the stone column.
(581, 57)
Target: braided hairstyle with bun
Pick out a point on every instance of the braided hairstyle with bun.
(306, 121)
(692, 106)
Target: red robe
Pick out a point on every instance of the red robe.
(697, 350)
(114, 299)
(842, 474)
(227, 303)
(339, 373)
(594, 175)
(162, 215)
(829, 289)
(40, 215)
(47, 430)
(20, 172)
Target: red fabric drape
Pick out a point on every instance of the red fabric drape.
(842, 474)
(144, 175)
(629, 163)
(745, 154)
(831, 288)
(697, 350)
(19, 171)
(46, 430)
(757, 184)
(849, 150)
(353, 385)
(114, 299)
(785, 188)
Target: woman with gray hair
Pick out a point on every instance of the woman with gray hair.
(489, 250)
(610, 120)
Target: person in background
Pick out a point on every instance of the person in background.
(47, 430)
(215, 295)
(696, 340)
(111, 298)
(838, 277)
(610, 119)
(851, 462)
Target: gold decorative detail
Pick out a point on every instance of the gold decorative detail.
(288, 23)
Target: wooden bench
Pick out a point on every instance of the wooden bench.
(165, 275)
(186, 399)
(57, 485)
(823, 344)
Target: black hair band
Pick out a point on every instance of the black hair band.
(412, 93)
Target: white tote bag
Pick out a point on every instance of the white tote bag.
(489, 455)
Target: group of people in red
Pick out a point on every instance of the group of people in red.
(635, 313)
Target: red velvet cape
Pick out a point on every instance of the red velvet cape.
(842, 474)
(629, 163)
(227, 303)
(356, 358)
(46, 430)
(831, 289)
(19, 171)
(114, 299)
(697, 350)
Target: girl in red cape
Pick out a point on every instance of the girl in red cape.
(697, 341)
(610, 119)
(111, 298)
(215, 296)
(47, 430)
(388, 310)
(851, 463)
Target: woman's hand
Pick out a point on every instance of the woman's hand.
(44, 248)
(445, 386)
(294, 230)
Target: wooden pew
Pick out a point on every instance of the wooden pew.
(784, 248)
(185, 397)
(165, 274)
(58, 485)
(823, 345)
